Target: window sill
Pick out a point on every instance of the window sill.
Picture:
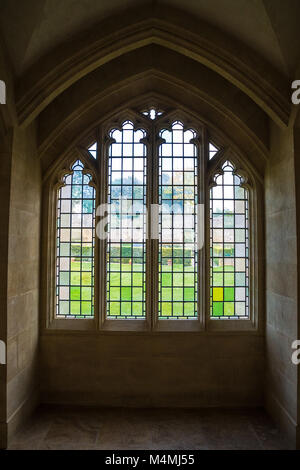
(125, 325)
(161, 326)
(73, 324)
(180, 326)
(227, 325)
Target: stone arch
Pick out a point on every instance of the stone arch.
(63, 67)
(69, 120)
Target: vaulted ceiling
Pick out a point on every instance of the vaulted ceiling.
(32, 28)
(62, 51)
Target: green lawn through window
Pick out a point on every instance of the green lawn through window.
(183, 286)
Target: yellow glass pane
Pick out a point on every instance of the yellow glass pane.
(218, 294)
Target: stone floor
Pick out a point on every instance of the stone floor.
(135, 429)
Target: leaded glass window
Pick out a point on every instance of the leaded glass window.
(152, 113)
(169, 248)
(75, 245)
(229, 246)
(212, 150)
(126, 245)
(93, 150)
(178, 258)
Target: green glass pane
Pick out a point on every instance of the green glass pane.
(189, 309)
(178, 309)
(137, 266)
(76, 249)
(166, 279)
(137, 308)
(86, 266)
(75, 265)
(75, 308)
(218, 279)
(126, 293)
(217, 309)
(229, 293)
(189, 294)
(114, 308)
(229, 264)
(127, 265)
(86, 279)
(229, 279)
(75, 293)
(125, 308)
(75, 278)
(137, 279)
(86, 308)
(189, 280)
(177, 293)
(115, 251)
(166, 294)
(137, 293)
(114, 293)
(228, 308)
(126, 251)
(166, 309)
(217, 250)
(126, 279)
(86, 293)
(178, 279)
(115, 279)
(114, 266)
(138, 252)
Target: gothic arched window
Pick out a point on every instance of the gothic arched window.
(176, 246)
(178, 253)
(229, 246)
(126, 243)
(75, 258)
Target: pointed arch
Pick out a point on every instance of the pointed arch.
(175, 145)
(234, 244)
(197, 41)
(75, 235)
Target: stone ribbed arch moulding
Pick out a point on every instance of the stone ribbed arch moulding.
(73, 60)
(75, 126)
(133, 111)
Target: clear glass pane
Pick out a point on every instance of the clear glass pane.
(75, 246)
(126, 247)
(229, 239)
(178, 224)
